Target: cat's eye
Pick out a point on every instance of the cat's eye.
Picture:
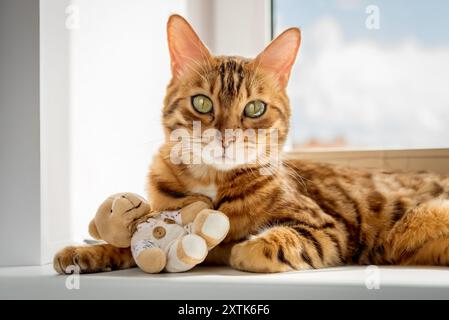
(255, 109)
(202, 104)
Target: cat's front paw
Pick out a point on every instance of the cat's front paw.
(257, 256)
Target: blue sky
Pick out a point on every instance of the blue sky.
(375, 88)
(424, 20)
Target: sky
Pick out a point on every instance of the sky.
(425, 20)
(385, 88)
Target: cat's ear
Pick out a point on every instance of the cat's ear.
(186, 48)
(280, 55)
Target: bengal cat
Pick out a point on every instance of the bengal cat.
(301, 215)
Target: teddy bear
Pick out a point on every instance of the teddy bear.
(174, 241)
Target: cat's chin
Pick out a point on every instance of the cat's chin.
(225, 167)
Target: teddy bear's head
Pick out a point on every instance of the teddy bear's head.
(115, 216)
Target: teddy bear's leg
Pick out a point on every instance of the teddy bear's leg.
(212, 226)
(185, 253)
(151, 260)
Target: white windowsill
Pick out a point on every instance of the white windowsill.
(224, 283)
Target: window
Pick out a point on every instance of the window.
(370, 74)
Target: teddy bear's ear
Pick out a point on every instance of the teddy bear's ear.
(93, 231)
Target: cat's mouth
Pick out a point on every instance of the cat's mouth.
(223, 157)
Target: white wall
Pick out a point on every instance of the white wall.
(119, 70)
(19, 133)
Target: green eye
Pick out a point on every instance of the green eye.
(202, 104)
(255, 109)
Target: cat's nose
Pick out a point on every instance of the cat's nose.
(226, 141)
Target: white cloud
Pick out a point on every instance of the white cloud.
(373, 94)
(348, 4)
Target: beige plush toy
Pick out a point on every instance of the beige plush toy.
(174, 241)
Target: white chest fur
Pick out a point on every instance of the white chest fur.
(207, 190)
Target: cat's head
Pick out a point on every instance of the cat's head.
(226, 112)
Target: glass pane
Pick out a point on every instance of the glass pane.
(371, 74)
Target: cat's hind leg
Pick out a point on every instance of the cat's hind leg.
(421, 236)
